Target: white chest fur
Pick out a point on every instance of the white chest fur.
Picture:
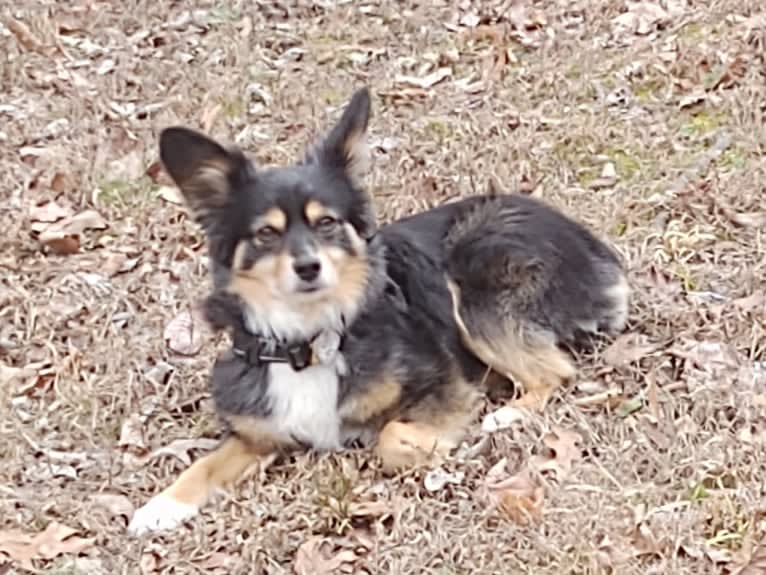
(304, 404)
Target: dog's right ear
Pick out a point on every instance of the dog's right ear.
(206, 173)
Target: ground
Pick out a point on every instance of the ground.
(645, 121)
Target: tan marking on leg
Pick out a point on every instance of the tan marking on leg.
(403, 445)
(540, 368)
(428, 431)
(373, 402)
(218, 469)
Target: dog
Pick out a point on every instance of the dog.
(349, 333)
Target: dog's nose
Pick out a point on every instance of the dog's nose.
(307, 268)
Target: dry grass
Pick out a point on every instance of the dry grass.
(674, 486)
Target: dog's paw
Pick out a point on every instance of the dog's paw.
(161, 513)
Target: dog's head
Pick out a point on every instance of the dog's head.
(291, 241)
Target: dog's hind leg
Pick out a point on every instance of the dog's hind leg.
(528, 356)
(189, 492)
(525, 280)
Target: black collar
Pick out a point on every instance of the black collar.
(257, 350)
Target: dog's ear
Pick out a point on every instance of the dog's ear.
(345, 146)
(206, 173)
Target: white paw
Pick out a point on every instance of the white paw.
(161, 513)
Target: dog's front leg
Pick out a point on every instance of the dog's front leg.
(184, 497)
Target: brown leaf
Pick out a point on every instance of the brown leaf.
(186, 333)
(118, 263)
(369, 508)
(520, 497)
(132, 433)
(641, 18)
(312, 560)
(216, 560)
(62, 235)
(180, 448)
(751, 302)
(628, 348)
(24, 35)
(747, 219)
(47, 213)
(425, 82)
(60, 182)
(10, 374)
(150, 562)
(565, 450)
(57, 539)
(714, 357)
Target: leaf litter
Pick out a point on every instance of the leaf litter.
(60, 230)
(57, 539)
(315, 557)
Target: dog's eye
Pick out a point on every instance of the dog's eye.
(266, 234)
(326, 223)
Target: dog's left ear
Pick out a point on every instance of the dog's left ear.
(345, 147)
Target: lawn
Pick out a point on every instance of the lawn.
(643, 120)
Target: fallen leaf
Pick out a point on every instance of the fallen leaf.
(747, 219)
(757, 563)
(10, 374)
(628, 406)
(116, 504)
(180, 448)
(311, 560)
(60, 183)
(118, 263)
(57, 539)
(641, 18)
(628, 348)
(150, 562)
(369, 508)
(564, 451)
(62, 234)
(714, 357)
(216, 560)
(692, 99)
(170, 194)
(437, 479)
(186, 333)
(750, 302)
(132, 433)
(425, 82)
(47, 213)
(23, 35)
(520, 497)
(501, 419)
